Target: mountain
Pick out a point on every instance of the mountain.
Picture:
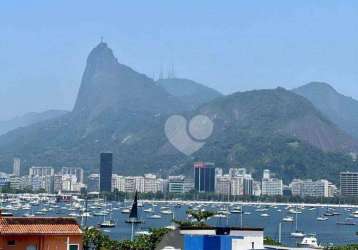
(28, 119)
(340, 109)
(275, 129)
(280, 112)
(123, 111)
(116, 107)
(110, 86)
(191, 93)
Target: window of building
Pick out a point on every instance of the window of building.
(11, 243)
(74, 247)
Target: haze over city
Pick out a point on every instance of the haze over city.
(230, 46)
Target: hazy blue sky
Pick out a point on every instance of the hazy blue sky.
(228, 45)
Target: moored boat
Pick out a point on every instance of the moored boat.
(288, 219)
(309, 241)
(133, 215)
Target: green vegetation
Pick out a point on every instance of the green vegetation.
(271, 242)
(8, 190)
(200, 218)
(95, 239)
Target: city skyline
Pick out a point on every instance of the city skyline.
(206, 179)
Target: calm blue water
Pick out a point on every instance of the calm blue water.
(326, 231)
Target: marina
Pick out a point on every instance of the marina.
(289, 223)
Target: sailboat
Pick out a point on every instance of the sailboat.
(297, 234)
(321, 217)
(172, 226)
(133, 215)
(346, 221)
(108, 223)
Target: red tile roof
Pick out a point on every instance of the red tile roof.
(39, 225)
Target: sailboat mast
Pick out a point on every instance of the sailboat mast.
(279, 233)
(132, 231)
(241, 214)
(296, 218)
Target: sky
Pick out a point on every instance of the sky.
(227, 45)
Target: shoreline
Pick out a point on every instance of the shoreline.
(255, 203)
(188, 202)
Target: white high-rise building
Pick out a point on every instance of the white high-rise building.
(42, 182)
(188, 185)
(176, 184)
(162, 185)
(319, 188)
(223, 185)
(248, 184)
(57, 183)
(296, 187)
(237, 185)
(68, 182)
(78, 172)
(266, 174)
(349, 184)
(41, 171)
(130, 184)
(150, 183)
(139, 184)
(332, 190)
(272, 187)
(315, 188)
(16, 167)
(118, 182)
(16, 183)
(256, 188)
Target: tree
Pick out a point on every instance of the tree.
(96, 240)
(200, 217)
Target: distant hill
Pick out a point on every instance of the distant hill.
(340, 109)
(123, 111)
(189, 92)
(28, 119)
(275, 129)
(279, 111)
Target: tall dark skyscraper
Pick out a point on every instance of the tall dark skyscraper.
(105, 171)
(204, 175)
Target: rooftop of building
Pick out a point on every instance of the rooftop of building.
(348, 172)
(39, 226)
(175, 239)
